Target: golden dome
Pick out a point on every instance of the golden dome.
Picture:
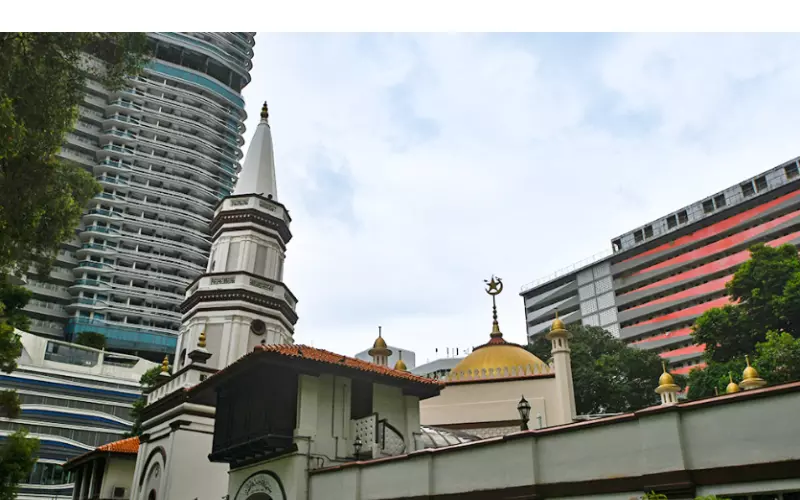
(666, 378)
(749, 372)
(492, 356)
(557, 324)
(401, 365)
(379, 347)
(379, 343)
(732, 386)
(750, 378)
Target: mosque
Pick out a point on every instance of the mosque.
(247, 414)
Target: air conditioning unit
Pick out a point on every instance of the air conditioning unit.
(118, 492)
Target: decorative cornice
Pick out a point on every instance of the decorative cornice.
(253, 216)
(210, 296)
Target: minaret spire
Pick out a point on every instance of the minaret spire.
(258, 171)
(495, 288)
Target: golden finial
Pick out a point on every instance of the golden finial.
(557, 323)
(264, 111)
(165, 365)
(665, 378)
(750, 378)
(401, 365)
(379, 347)
(732, 386)
(495, 287)
(201, 340)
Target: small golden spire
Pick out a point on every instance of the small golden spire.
(379, 347)
(264, 111)
(732, 386)
(495, 288)
(400, 365)
(201, 340)
(557, 323)
(750, 378)
(165, 365)
(665, 378)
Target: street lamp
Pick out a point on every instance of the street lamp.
(357, 446)
(524, 409)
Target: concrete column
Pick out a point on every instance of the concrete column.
(85, 478)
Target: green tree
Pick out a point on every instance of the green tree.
(714, 378)
(778, 358)
(147, 381)
(42, 77)
(41, 85)
(91, 339)
(765, 292)
(17, 458)
(608, 375)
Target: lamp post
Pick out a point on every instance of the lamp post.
(524, 409)
(357, 446)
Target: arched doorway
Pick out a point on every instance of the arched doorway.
(152, 495)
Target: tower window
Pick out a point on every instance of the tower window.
(747, 189)
(638, 236)
(683, 217)
(672, 222)
(719, 201)
(708, 206)
(761, 184)
(648, 232)
(791, 171)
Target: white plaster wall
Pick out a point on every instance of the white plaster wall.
(490, 402)
(757, 430)
(118, 474)
(291, 471)
(191, 474)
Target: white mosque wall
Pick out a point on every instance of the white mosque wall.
(492, 402)
(706, 435)
(117, 474)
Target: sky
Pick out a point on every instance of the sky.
(417, 166)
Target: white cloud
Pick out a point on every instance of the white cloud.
(416, 166)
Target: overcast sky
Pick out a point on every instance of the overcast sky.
(416, 166)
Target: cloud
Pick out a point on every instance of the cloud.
(415, 166)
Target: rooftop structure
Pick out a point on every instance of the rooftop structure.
(73, 399)
(658, 278)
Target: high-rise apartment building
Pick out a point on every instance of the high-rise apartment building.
(166, 148)
(658, 278)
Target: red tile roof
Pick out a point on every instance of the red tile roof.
(323, 356)
(129, 445)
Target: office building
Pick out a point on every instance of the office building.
(73, 399)
(166, 149)
(658, 278)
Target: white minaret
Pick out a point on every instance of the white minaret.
(380, 352)
(241, 301)
(667, 388)
(559, 337)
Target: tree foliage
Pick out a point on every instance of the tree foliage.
(147, 381)
(41, 85)
(765, 296)
(91, 339)
(608, 375)
(42, 77)
(17, 458)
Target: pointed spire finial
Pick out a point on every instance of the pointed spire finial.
(495, 287)
(380, 333)
(265, 112)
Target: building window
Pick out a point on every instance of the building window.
(791, 171)
(683, 217)
(233, 256)
(616, 245)
(638, 236)
(672, 222)
(719, 201)
(761, 184)
(648, 232)
(708, 206)
(747, 189)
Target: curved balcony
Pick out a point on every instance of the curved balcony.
(151, 276)
(118, 166)
(167, 162)
(156, 313)
(119, 290)
(191, 153)
(189, 266)
(196, 201)
(89, 285)
(90, 265)
(119, 119)
(86, 303)
(106, 232)
(241, 65)
(159, 225)
(188, 76)
(246, 50)
(96, 249)
(150, 206)
(166, 243)
(235, 126)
